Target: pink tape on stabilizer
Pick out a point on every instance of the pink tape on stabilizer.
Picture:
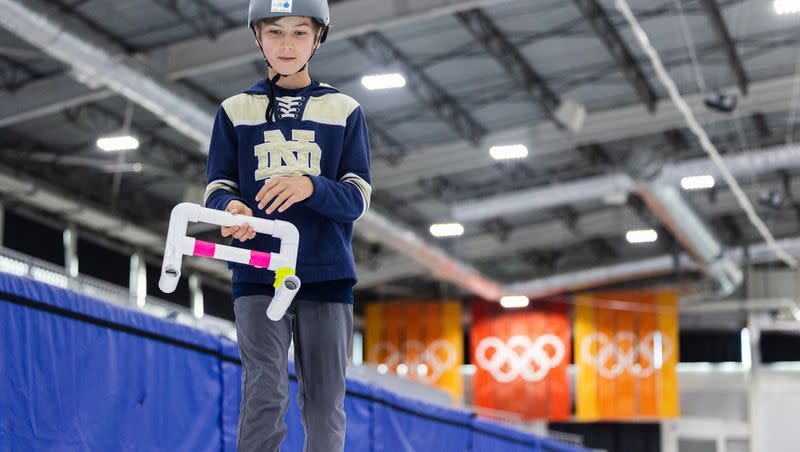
(205, 249)
(259, 259)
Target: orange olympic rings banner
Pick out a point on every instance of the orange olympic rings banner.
(423, 338)
(626, 352)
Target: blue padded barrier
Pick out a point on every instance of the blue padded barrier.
(81, 374)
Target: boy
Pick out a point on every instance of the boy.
(293, 149)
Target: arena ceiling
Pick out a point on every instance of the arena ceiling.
(481, 73)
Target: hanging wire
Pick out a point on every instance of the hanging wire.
(700, 133)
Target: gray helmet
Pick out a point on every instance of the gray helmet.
(316, 9)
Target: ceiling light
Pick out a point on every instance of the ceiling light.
(383, 81)
(118, 143)
(447, 230)
(697, 182)
(402, 370)
(514, 151)
(642, 236)
(787, 6)
(516, 301)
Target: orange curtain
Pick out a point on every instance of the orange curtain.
(521, 358)
(626, 351)
(424, 338)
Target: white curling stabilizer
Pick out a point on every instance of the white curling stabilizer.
(282, 263)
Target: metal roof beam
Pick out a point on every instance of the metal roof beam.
(231, 48)
(721, 30)
(378, 48)
(543, 138)
(601, 24)
(515, 64)
(201, 15)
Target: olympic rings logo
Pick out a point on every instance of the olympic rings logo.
(439, 357)
(532, 364)
(623, 353)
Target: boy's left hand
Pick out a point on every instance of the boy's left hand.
(286, 190)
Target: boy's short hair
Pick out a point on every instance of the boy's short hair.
(271, 20)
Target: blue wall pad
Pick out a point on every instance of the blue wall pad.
(80, 374)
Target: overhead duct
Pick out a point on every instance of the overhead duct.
(668, 204)
(94, 64)
(741, 164)
(542, 198)
(598, 276)
(666, 201)
(746, 163)
(661, 195)
(376, 228)
(651, 267)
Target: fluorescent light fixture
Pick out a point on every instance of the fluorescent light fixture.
(514, 151)
(447, 230)
(118, 143)
(787, 6)
(402, 370)
(516, 301)
(697, 182)
(383, 81)
(642, 236)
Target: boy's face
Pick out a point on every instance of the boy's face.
(288, 43)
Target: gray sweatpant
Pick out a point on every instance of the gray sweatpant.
(322, 334)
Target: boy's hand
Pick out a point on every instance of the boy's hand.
(245, 232)
(286, 190)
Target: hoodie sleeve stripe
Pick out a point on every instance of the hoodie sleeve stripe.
(363, 186)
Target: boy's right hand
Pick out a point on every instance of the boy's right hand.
(241, 233)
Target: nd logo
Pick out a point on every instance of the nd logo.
(278, 157)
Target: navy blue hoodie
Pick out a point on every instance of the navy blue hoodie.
(318, 132)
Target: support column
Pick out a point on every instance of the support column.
(196, 296)
(71, 251)
(754, 320)
(138, 280)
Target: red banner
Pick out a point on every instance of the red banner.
(521, 358)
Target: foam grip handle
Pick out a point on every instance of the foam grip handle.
(284, 295)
